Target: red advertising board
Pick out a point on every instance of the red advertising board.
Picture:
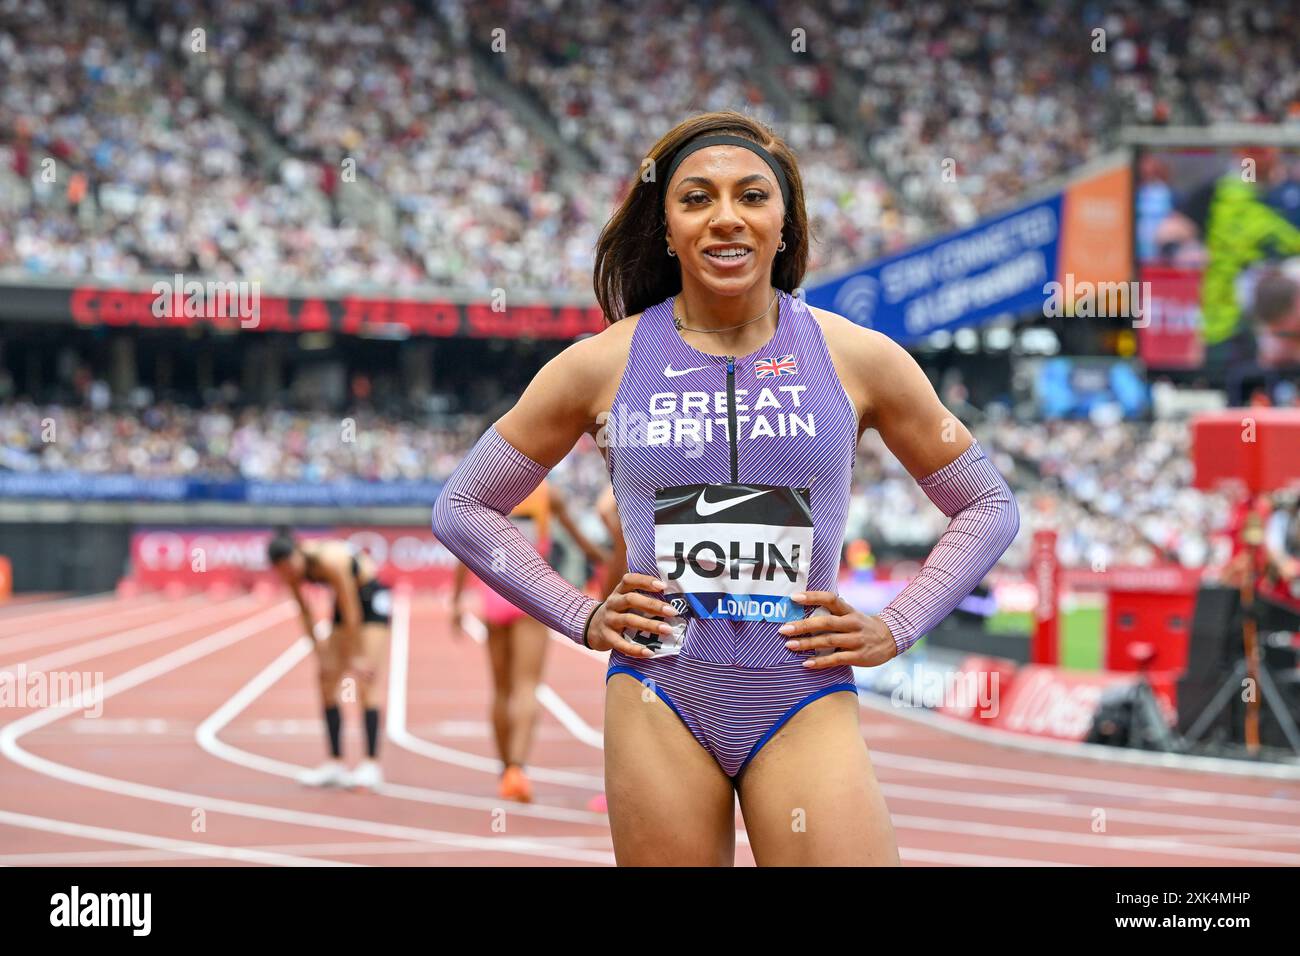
(1154, 578)
(202, 557)
(1047, 702)
(1255, 448)
(1172, 339)
(349, 315)
(980, 683)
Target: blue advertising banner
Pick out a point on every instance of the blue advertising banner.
(343, 493)
(996, 267)
(71, 485)
(80, 486)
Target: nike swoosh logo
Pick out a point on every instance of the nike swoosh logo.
(705, 508)
(670, 372)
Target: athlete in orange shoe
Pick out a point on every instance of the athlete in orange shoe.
(517, 643)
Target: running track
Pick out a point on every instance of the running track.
(209, 709)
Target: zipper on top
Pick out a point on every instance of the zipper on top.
(731, 416)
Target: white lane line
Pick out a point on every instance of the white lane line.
(475, 628)
(133, 638)
(1102, 841)
(349, 848)
(61, 607)
(1145, 759)
(917, 855)
(131, 838)
(1096, 788)
(112, 619)
(129, 726)
(208, 737)
(569, 718)
(395, 722)
(13, 732)
(1244, 839)
(1079, 811)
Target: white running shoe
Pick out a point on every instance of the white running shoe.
(332, 773)
(367, 776)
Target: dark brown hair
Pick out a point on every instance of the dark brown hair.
(633, 268)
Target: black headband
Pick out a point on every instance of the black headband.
(724, 139)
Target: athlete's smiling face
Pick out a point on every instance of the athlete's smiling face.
(724, 211)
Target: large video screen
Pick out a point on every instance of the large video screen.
(1217, 234)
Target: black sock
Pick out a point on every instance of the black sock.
(372, 731)
(334, 723)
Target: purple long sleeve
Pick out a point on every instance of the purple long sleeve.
(470, 518)
(985, 519)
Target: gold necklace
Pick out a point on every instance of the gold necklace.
(686, 328)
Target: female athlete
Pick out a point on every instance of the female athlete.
(729, 414)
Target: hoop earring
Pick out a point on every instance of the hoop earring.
(670, 251)
(781, 247)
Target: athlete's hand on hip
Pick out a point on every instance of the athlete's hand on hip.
(625, 608)
(853, 637)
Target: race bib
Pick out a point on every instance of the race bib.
(730, 551)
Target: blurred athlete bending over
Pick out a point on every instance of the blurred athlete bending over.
(355, 643)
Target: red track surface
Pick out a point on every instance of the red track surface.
(190, 763)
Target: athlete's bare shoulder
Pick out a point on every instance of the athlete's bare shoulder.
(881, 375)
(611, 341)
(865, 360)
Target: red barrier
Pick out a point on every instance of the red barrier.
(1155, 579)
(1046, 702)
(1045, 646)
(1161, 621)
(983, 683)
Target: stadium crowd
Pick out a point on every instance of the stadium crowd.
(112, 166)
(389, 93)
(156, 170)
(1017, 93)
(162, 163)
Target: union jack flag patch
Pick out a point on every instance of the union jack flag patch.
(785, 365)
